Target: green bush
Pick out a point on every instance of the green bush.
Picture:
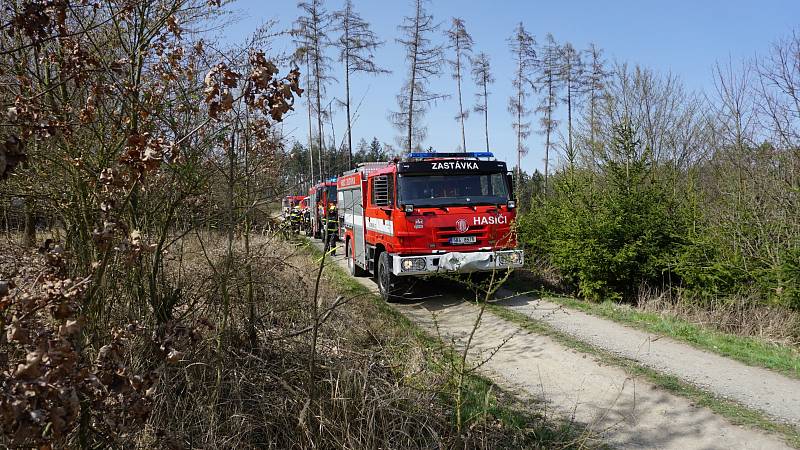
(613, 226)
(607, 234)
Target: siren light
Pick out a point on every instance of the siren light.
(451, 155)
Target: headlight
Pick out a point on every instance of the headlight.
(511, 258)
(416, 264)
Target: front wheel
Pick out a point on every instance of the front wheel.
(389, 285)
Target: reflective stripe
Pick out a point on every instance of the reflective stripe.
(352, 219)
(382, 226)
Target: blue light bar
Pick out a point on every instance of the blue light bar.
(451, 155)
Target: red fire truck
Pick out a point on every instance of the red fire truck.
(290, 201)
(322, 210)
(430, 213)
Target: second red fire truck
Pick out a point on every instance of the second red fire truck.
(323, 220)
(430, 213)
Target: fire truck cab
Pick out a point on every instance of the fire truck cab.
(322, 209)
(290, 202)
(431, 213)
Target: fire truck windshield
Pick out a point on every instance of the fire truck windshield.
(452, 190)
(331, 193)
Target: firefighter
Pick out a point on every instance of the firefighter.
(305, 217)
(331, 223)
(295, 219)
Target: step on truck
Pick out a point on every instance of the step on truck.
(430, 213)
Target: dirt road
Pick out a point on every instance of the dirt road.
(626, 412)
(774, 394)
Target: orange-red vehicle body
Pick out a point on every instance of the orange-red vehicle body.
(377, 215)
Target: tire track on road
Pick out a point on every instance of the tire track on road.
(624, 411)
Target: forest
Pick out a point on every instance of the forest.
(148, 298)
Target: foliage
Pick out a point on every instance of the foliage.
(608, 237)
(128, 147)
(664, 187)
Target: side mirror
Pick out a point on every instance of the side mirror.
(511, 204)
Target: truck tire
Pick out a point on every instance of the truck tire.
(388, 284)
(349, 251)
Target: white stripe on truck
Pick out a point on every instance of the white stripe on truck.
(382, 226)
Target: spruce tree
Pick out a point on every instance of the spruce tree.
(424, 64)
(461, 45)
(523, 48)
(357, 44)
(482, 75)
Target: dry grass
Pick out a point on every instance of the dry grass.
(242, 380)
(373, 385)
(235, 393)
(740, 315)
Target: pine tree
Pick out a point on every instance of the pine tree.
(482, 74)
(523, 47)
(424, 63)
(571, 74)
(312, 29)
(461, 45)
(549, 81)
(376, 152)
(594, 85)
(357, 44)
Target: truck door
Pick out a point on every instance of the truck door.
(360, 251)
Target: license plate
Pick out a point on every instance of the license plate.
(461, 240)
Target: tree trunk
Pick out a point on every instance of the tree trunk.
(29, 236)
(486, 112)
(569, 116)
(310, 128)
(413, 78)
(349, 117)
(460, 102)
(548, 129)
(519, 126)
(319, 109)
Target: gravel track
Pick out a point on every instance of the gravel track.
(776, 395)
(625, 412)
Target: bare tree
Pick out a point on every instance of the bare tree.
(595, 80)
(779, 89)
(548, 79)
(571, 72)
(309, 101)
(357, 44)
(482, 74)
(312, 27)
(461, 45)
(424, 63)
(523, 47)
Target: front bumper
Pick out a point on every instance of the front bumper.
(457, 262)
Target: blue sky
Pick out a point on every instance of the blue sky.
(684, 37)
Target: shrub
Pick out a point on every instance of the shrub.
(607, 236)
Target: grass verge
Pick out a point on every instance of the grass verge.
(482, 398)
(733, 411)
(752, 351)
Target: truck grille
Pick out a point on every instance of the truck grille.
(442, 235)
